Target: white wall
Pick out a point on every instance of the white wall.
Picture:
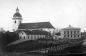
(15, 25)
(74, 35)
(21, 36)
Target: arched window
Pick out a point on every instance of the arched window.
(74, 32)
(64, 32)
(15, 21)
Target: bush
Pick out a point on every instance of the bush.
(11, 36)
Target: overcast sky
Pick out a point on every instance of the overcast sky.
(60, 13)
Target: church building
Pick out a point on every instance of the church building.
(31, 30)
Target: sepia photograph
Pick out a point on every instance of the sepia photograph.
(42, 27)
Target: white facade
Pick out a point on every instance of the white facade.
(17, 18)
(16, 23)
(23, 35)
(71, 33)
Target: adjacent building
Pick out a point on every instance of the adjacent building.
(83, 35)
(71, 32)
(33, 34)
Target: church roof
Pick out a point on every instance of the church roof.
(17, 14)
(35, 25)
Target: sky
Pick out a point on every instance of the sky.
(60, 13)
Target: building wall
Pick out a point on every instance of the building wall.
(16, 23)
(22, 35)
(71, 33)
(83, 35)
(34, 37)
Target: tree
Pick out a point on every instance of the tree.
(11, 36)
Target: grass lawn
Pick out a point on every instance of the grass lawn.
(19, 54)
(28, 46)
(31, 45)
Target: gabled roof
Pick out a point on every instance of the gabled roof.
(35, 25)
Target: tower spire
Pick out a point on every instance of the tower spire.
(17, 18)
(17, 10)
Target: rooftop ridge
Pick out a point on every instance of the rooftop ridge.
(35, 25)
(37, 22)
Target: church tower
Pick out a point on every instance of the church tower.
(17, 18)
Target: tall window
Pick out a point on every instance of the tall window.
(24, 37)
(78, 35)
(71, 32)
(22, 33)
(68, 36)
(64, 32)
(28, 37)
(67, 32)
(74, 32)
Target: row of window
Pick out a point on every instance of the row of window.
(33, 37)
(71, 35)
(22, 37)
(71, 32)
